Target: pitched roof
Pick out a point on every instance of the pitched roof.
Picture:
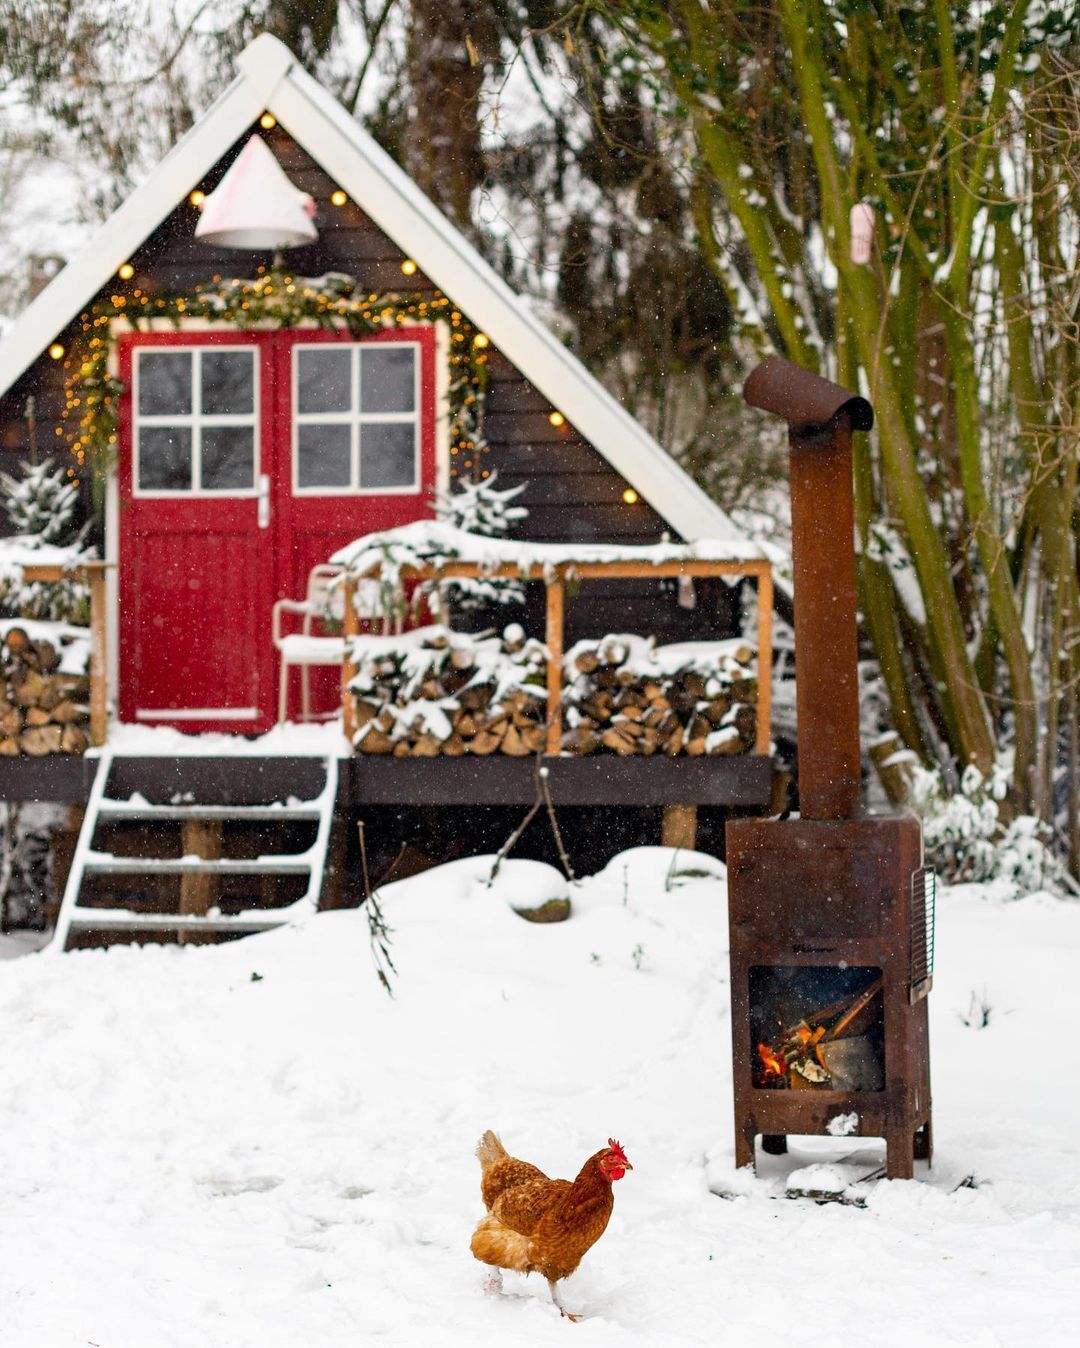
(270, 79)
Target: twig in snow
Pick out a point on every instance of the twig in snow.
(378, 928)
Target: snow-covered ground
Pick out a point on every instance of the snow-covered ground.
(250, 1144)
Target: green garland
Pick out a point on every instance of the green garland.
(274, 299)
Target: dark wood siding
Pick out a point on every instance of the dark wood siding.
(572, 492)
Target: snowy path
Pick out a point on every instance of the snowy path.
(193, 1157)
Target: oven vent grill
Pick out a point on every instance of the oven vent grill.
(923, 904)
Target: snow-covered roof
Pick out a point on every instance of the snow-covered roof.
(271, 80)
(433, 543)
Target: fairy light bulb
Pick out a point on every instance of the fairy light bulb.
(197, 198)
(630, 496)
(126, 272)
(480, 340)
(556, 419)
(339, 198)
(408, 266)
(267, 121)
(56, 350)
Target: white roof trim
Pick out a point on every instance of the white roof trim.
(270, 80)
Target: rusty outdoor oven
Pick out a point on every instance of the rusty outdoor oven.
(831, 913)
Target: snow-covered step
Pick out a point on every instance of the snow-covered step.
(104, 863)
(118, 919)
(129, 809)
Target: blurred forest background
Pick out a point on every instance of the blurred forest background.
(672, 184)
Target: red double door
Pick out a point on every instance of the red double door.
(245, 460)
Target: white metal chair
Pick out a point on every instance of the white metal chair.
(305, 648)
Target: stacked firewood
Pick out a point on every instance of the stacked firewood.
(625, 695)
(42, 708)
(434, 691)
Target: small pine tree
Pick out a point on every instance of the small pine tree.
(485, 509)
(40, 504)
(41, 507)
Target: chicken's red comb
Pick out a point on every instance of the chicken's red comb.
(616, 1147)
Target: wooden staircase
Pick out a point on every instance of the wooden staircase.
(195, 848)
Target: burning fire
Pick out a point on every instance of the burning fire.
(772, 1062)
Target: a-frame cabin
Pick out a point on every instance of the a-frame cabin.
(245, 449)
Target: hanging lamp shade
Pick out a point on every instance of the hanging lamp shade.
(256, 207)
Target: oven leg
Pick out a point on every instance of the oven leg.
(744, 1146)
(774, 1144)
(924, 1142)
(899, 1154)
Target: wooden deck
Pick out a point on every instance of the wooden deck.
(741, 781)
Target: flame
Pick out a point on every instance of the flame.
(773, 1062)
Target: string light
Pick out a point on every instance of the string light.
(197, 198)
(556, 419)
(480, 340)
(126, 271)
(92, 394)
(630, 496)
(408, 266)
(267, 121)
(339, 198)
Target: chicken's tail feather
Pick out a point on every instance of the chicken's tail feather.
(489, 1149)
(493, 1243)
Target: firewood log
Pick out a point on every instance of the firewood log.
(28, 688)
(375, 741)
(9, 748)
(484, 742)
(45, 739)
(48, 657)
(513, 743)
(74, 740)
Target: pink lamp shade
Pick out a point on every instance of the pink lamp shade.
(256, 207)
(862, 232)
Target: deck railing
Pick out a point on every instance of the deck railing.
(94, 575)
(556, 579)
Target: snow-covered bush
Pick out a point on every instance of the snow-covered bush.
(965, 839)
(482, 508)
(41, 508)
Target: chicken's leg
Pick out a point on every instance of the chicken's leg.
(493, 1281)
(562, 1309)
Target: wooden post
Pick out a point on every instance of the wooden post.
(764, 660)
(350, 628)
(199, 892)
(556, 612)
(99, 707)
(678, 827)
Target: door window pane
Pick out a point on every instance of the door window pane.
(388, 379)
(324, 379)
(387, 454)
(165, 458)
(228, 383)
(228, 458)
(164, 383)
(324, 455)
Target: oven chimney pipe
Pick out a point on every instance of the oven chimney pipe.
(821, 417)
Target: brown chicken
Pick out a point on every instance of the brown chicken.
(538, 1224)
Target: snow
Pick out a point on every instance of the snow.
(432, 542)
(24, 550)
(251, 1144)
(321, 739)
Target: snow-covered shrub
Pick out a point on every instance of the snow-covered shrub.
(965, 839)
(41, 508)
(482, 508)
